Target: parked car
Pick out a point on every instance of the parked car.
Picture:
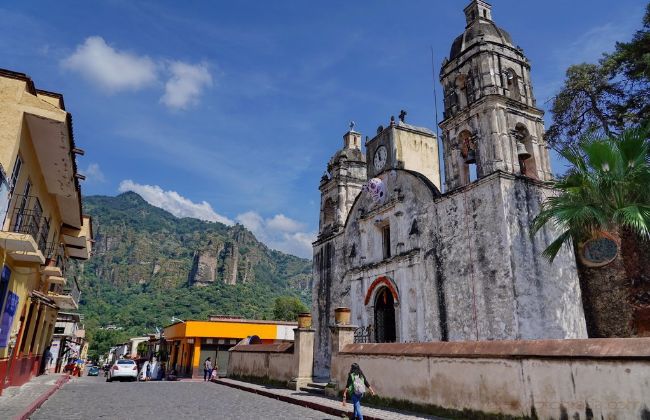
(93, 371)
(123, 369)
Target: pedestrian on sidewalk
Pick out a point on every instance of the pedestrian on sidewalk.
(356, 386)
(48, 360)
(215, 372)
(207, 369)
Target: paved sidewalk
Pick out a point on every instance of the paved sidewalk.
(321, 403)
(17, 401)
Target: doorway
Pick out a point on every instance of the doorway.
(385, 331)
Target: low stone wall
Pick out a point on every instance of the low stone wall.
(289, 363)
(274, 362)
(577, 379)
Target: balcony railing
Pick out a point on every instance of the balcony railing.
(26, 216)
(55, 256)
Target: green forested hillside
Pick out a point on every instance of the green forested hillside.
(149, 265)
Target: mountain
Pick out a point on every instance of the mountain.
(149, 265)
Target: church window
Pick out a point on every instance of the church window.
(385, 240)
(512, 84)
(329, 213)
(414, 228)
(469, 156)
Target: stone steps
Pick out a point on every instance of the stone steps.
(315, 388)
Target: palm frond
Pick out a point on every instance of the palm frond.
(636, 218)
(554, 248)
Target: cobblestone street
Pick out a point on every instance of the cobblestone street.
(93, 397)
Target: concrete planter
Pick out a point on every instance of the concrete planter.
(304, 320)
(342, 316)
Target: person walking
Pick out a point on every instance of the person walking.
(207, 369)
(215, 372)
(356, 386)
(48, 360)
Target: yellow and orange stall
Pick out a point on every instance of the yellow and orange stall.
(190, 343)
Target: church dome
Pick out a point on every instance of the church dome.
(485, 29)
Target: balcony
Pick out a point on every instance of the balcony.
(26, 236)
(54, 270)
(78, 242)
(66, 297)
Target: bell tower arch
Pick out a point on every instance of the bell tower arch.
(491, 119)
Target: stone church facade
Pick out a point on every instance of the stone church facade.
(415, 264)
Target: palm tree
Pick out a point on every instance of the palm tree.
(606, 189)
(605, 192)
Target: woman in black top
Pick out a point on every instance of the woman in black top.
(356, 386)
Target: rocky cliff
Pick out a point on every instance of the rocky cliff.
(140, 243)
(149, 265)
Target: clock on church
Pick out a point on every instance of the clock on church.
(380, 158)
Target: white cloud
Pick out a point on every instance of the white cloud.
(282, 223)
(186, 84)
(279, 232)
(174, 203)
(94, 173)
(590, 46)
(111, 69)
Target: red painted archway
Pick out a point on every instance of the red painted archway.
(382, 281)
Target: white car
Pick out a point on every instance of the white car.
(123, 369)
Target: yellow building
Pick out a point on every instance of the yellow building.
(189, 343)
(41, 222)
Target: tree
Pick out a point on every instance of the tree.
(609, 96)
(287, 308)
(101, 341)
(606, 190)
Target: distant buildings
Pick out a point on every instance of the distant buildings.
(189, 343)
(42, 223)
(68, 340)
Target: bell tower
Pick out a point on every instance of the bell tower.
(491, 120)
(341, 183)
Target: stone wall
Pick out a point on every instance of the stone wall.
(282, 362)
(273, 362)
(578, 379)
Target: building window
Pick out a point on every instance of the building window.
(512, 84)
(16, 172)
(385, 239)
(4, 285)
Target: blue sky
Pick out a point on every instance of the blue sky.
(229, 110)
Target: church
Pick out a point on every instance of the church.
(417, 261)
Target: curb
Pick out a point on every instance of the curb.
(40, 400)
(340, 412)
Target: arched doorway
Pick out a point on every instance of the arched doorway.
(385, 317)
